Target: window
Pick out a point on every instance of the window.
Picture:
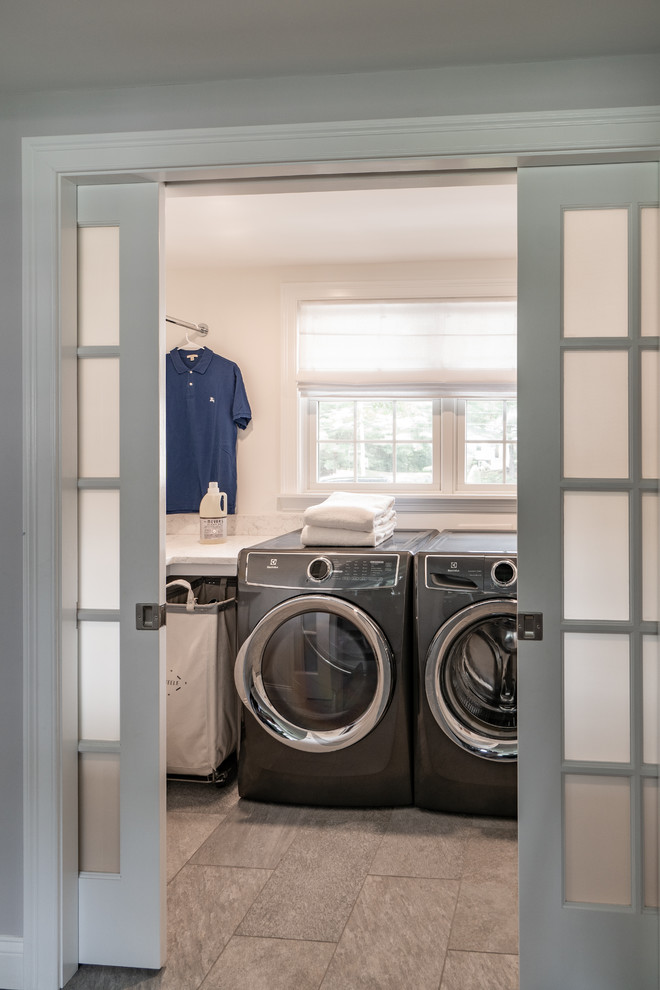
(489, 442)
(374, 441)
(406, 387)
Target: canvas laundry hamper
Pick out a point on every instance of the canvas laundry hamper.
(202, 704)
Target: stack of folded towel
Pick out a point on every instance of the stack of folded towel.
(346, 519)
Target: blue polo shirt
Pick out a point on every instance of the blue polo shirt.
(206, 402)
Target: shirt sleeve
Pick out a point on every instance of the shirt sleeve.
(242, 414)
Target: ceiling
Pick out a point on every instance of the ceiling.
(48, 45)
(464, 218)
(81, 44)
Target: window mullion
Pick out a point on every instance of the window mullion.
(505, 446)
(355, 441)
(311, 414)
(447, 435)
(395, 407)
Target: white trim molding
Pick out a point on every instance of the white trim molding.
(421, 144)
(11, 963)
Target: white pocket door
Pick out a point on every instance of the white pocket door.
(587, 558)
(121, 752)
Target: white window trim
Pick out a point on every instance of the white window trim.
(295, 493)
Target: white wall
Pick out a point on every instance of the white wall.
(242, 307)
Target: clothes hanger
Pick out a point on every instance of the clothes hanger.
(200, 328)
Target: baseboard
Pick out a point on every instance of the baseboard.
(11, 963)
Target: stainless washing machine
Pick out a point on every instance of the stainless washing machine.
(466, 738)
(325, 672)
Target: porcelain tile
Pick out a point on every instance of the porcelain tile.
(396, 936)
(114, 978)
(338, 879)
(486, 821)
(252, 835)
(185, 834)
(205, 904)
(486, 918)
(480, 971)
(313, 890)
(423, 844)
(492, 855)
(203, 798)
(270, 964)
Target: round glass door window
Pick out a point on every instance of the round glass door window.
(471, 679)
(316, 672)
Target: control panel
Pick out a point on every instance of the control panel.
(455, 573)
(471, 572)
(321, 570)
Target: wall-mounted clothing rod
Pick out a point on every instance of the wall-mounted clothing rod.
(197, 327)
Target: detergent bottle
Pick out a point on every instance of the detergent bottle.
(213, 515)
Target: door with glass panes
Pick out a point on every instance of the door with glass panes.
(120, 511)
(588, 560)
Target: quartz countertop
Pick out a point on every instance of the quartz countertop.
(184, 554)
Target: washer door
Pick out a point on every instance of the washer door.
(316, 672)
(470, 679)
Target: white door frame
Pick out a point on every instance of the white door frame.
(52, 167)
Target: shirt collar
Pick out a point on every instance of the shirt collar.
(199, 365)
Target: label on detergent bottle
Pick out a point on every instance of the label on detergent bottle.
(212, 529)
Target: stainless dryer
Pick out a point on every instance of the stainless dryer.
(466, 739)
(325, 671)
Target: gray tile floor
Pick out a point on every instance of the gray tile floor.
(273, 897)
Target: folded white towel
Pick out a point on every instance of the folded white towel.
(322, 536)
(350, 510)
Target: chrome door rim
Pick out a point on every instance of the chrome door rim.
(251, 690)
(484, 745)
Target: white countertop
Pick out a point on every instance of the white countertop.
(184, 554)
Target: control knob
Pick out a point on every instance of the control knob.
(504, 573)
(319, 569)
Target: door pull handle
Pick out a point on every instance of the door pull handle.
(149, 616)
(530, 625)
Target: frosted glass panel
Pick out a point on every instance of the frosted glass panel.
(98, 809)
(98, 286)
(596, 583)
(650, 265)
(98, 417)
(595, 414)
(596, 273)
(650, 557)
(596, 697)
(99, 680)
(650, 811)
(597, 836)
(650, 413)
(651, 685)
(99, 549)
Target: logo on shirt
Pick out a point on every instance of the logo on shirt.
(211, 399)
